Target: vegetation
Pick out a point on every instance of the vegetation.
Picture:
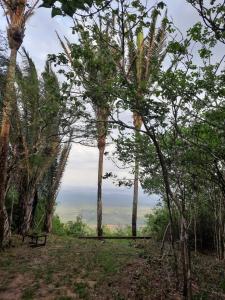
(131, 79)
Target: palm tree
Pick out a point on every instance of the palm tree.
(145, 59)
(52, 183)
(39, 115)
(96, 71)
(17, 13)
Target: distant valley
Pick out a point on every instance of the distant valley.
(117, 205)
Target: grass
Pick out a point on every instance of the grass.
(64, 264)
(69, 268)
(81, 289)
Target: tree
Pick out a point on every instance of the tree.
(3, 66)
(92, 61)
(17, 13)
(144, 62)
(69, 8)
(212, 15)
(40, 121)
(51, 184)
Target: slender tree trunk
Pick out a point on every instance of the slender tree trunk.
(195, 233)
(169, 196)
(137, 121)
(135, 198)
(185, 254)
(221, 230)
(195, 226)
(164, 237)
(4, 145)
(101, 147)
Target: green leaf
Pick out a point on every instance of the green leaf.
(161, 5)
(56, 11)
(48, 3)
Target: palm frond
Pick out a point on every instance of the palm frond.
(150, 41)
(66, 48)
(140, 63)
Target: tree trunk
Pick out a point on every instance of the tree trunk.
(185, 254)
(26, 200)
(164, 237)
(34, 208)
(49, 216)
(169, 196)
(221, 230)
(48, 221)
(4, 144)
(101, 147)
(135, 198)
(137, 121)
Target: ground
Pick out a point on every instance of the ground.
(69, 268)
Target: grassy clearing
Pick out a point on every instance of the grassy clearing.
(68, 268)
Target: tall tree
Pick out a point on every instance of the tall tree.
(144, 60)
(39, 117)
(93, 63)
(17, 13)
(52, 182)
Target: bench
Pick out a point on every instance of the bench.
(35, 238)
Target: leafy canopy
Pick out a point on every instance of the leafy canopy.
(65, 7)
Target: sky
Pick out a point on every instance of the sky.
(40, 40)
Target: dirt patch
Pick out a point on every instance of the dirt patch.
(14, 289)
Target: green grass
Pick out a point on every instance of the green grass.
(81, 289)
(69, 268)
(28, 294)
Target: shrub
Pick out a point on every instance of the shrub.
(77, 228)
(57, 226)
(156, 223)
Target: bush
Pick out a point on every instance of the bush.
(116, 231)
(77, 228)
(156, 223)
(58, 227)
(123, 231)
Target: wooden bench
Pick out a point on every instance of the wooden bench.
(35, 237)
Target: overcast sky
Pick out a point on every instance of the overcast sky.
(40, 40)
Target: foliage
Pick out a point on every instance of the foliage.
(63, 7)
(117, 231)
(57, 226)
(156, 223)
(77, 228)
(71, 228)
(212, 13)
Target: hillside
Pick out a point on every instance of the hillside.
(68, 268)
